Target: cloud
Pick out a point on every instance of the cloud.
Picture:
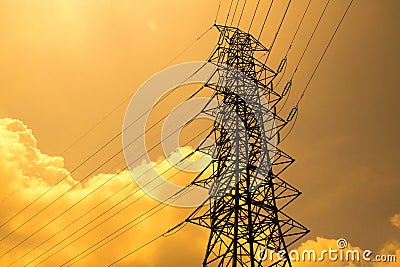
(26, 173)
(320, 244)
(395, 220)
(390, 248)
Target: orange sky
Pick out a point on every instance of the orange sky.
(66, 63)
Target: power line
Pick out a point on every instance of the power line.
(294, 112)
(80, 200)
(112, 216)
(101, 148)
(229, 12)
(45, 208)
(74, 221)
(126, 230)
(287, 53)
(265, 19)
(298, 26)
(106, 180)
(241, 13)
(294, 109)
(316, 68)
(325, 50)
(75, 185)
(311, 37)
(95, 188)
(101, 165)
(234, 13)
(148, 243)
(291, 45)
(254, 14)
(216, 16)
(277, 32)
(115, 205)
(293, 115)
(188, 46)
(97, 124)
(139, 248)
(51, 188)
(178, 226)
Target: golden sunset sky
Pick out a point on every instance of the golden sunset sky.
(65, 64)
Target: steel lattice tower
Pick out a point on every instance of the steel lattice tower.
(248, 195)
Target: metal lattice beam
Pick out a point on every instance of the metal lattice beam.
(244, 213)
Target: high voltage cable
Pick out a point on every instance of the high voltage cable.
(149, 212)
(287, 52)
(52, 202)
(254, 14)
(4, 199)
(146, 183)
(201, 173)
(97, 124)
(241, 13)
(298, 102)
(76, 203)
(102, 147)
(84, 179)
(179, 226)
(294, 112)
(216, 16)
(265, 19)
(139, 248)
(296, 115)
(131, 94)
(74, 221)
(44, 193)
(317, 66)
(161, 203)
(304, 50)
(311, 37)
(118, 203)
(130, 227)
(283, 18)
(325, 50)
(277, 32)
(289, 48)
(188, 47)
(234, 12)
(106, 180)
(71, 189)
(95, 153)
(50, 188)
(101, 223)
(229, 12)
(71, 172)
(147, 243)
(298, 26)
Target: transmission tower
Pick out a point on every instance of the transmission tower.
(244, 212)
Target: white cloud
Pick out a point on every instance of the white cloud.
(395, 220)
